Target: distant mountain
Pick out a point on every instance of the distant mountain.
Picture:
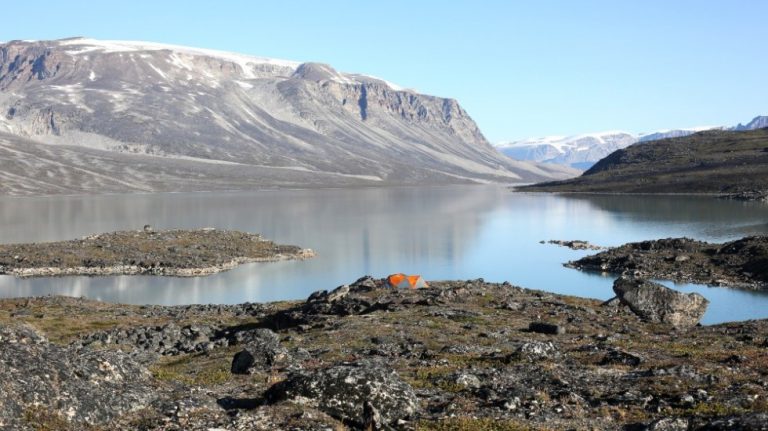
(716, 161)
(581, 151)
(759, 122)
(187, 111)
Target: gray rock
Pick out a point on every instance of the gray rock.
(76, 386)
(261, 350)
(669, 424)
(656, 303)
(620, 357)
(546, 328)
(536, 351)
(342, 390)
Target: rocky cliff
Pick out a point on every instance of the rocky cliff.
(317, 125)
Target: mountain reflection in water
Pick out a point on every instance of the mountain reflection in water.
(438, 232)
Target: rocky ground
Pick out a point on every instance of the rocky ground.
(168, 252)
(742, 263)
(459, 355)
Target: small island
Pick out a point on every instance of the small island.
(742, 263)
(179, 253)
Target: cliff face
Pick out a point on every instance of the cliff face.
(131, 97)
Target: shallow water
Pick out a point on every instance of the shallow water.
(440, 232)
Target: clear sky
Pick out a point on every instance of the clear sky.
(520, 68)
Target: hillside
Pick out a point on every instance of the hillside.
(705, 162)
(186, 108)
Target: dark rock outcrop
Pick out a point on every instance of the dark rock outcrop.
(342, 391)
(656, 303)
(741, 263)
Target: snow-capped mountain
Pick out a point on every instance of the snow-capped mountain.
(759, 122)
(579, 152)
(583, 151)
(185, 112)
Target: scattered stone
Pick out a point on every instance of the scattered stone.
(669, 424)
(620, 357)
(656, 303)
(546, 328)
(536, 351)
(342, 390)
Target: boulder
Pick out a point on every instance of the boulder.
(261, 350)
(546, 328)
(535, 351)
(656, 303)
(342, 391)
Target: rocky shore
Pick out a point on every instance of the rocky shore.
(742, 263)
(459, 355)
(179, 253)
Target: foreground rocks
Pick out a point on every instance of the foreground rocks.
(43, 381)
(742, 263)
(343, 391)
(460, 355)
(181, 253)
(656, 303)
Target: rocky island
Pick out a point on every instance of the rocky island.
(742, 263)
(181, 253)
(459, 355)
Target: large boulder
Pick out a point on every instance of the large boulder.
(47, 386)
(656, 303)
(343, 390)
(261, 351)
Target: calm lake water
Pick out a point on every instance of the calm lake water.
(441, 233)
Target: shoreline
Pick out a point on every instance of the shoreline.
(118, 270)
(456, 355)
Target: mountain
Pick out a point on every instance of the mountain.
(207, 120)
(581, 151)
(759, 122)
(715, 161)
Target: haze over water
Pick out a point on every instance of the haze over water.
(439, 232)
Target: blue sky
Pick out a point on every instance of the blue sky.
(521, 69)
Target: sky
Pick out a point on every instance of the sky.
(520, 68)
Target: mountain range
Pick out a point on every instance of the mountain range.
(82, 115)
(583, 151)
(733, 162)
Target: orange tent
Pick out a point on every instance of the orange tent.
(406, 281)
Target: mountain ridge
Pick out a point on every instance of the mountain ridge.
(713, 162)
(178, 102)
(584, 150)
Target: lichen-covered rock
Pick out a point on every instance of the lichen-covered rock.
(342, 390)
(656, 303)
(74, 386)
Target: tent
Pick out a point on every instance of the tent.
(406, 281)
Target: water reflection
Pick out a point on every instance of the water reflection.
(441, 233)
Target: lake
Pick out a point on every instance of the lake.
(458, 232)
